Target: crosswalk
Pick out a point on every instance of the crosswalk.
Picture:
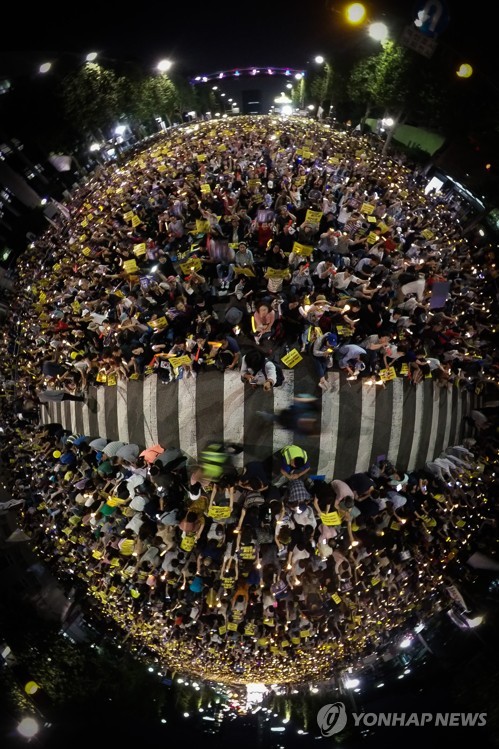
(359, 422)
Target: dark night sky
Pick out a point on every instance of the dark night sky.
(209, 36)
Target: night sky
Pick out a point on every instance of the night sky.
(221, 35)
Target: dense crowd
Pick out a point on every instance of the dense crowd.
(226, 246)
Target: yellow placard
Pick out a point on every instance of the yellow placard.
(115, 501)
(299, 152)
(128, 215)
(387, 374)
(253, 184)
(76, 306)
(180, 361)
(295, 640)
(371, 219)
(334, 160)
(313, 217)
(202, 227)
(205, 188)
(262, 641)
(292, 358)
(191, 265)
(130, 266)
(395, 526)
(86, 251)
(201, 157)
(140, 249)
(372, 238)
(244, 271)
(336, 598)
(232, 627)
(427, 234)
(84, 223)
(250, 629)
(304, 250)
(404, 370)
(383, 227)
(136, 221)
(343, 330)
(305, 633)
(277, 273)
(112, 380)
(330, 518)
(159, 323)
(188, 543)
(219, 513)
(367, 208)
(375, 580)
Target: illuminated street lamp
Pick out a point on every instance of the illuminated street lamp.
(355, 13)
(28, 728)
(465, 71)
(319, 59)
(45, 67)
(164, 66)
(378, 31)
(91, 56)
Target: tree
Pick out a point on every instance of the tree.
(91, 99)
(387, 81)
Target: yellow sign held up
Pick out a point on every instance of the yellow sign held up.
(136, 221)
(130, 266)
(292, 358)
(159, 323)
(140, 249)
(304, 250)
(180, 361)
(387, 374)
(202, 227)
(191, 265)
(313, 217)
(372, 238)
(427, 234)
(330, 518)
(367, 208)
(244, 271)
(277, 273)
(86, 251)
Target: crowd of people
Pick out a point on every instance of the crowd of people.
(227, 245)
(255, 235)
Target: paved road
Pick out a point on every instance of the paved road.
(360, 422)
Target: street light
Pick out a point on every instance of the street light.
(378, 31)
(164, 66)
(319, 59)
(355, 13)
(28, 728)
(91, 56)
(45, 67)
